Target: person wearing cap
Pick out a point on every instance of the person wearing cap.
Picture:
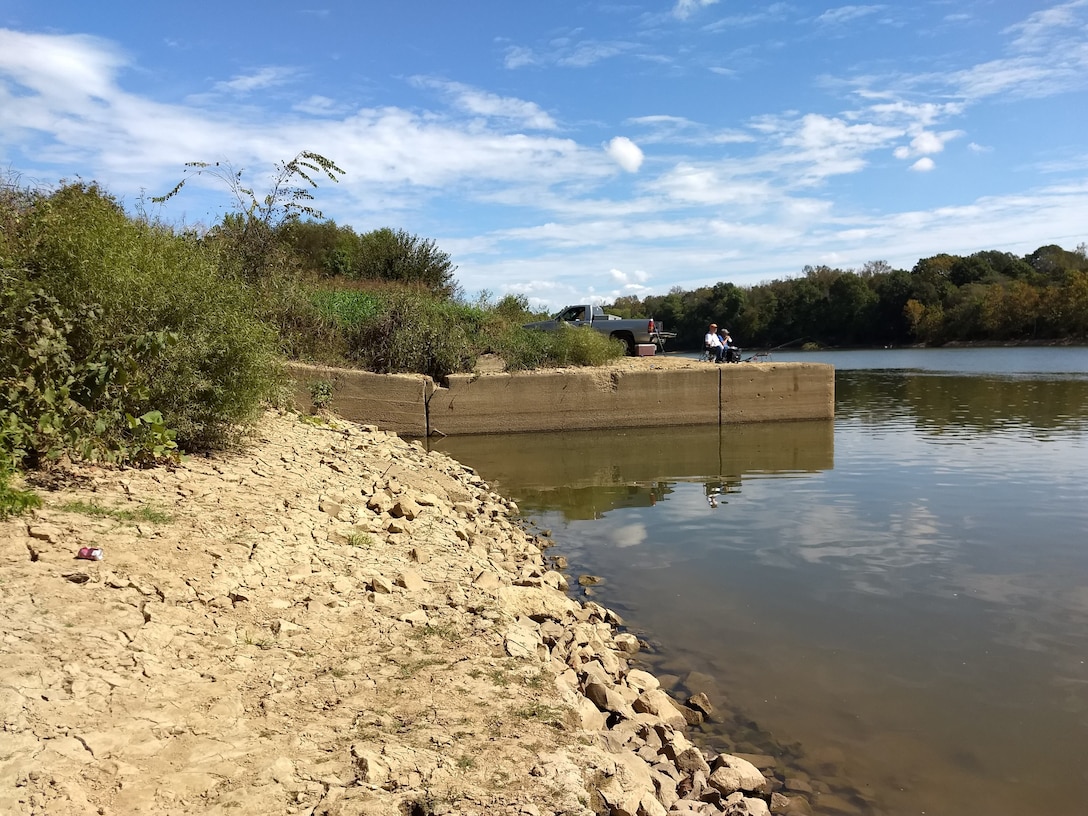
(712, 343)
(730, 351)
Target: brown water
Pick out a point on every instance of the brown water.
(895, 603)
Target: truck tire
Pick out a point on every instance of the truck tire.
(628, 340)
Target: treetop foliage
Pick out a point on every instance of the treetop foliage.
(989, 296)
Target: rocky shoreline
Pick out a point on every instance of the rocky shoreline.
(331, 621)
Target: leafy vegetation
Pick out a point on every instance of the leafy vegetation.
(119, 339)
(985, 297)
(14, 501)
(383, 255)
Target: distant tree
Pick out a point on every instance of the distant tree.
(396, 255)
(893, 290)
(851, 310)
(1052, 261)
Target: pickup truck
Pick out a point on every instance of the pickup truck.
(633, 333)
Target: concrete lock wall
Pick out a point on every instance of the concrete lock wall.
(576, 398)
(393, 402)
(770, 392)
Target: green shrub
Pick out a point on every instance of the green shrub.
(525, 349)
(117, 318)
(12, 500)
(321, 394)
(415, 333)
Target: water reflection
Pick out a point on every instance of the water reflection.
(943, 403)
(896, 601)
(586, 474)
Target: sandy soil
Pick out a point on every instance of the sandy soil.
(330, 621)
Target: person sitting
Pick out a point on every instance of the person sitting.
(712, 344)
(730, 351)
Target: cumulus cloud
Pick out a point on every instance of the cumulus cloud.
(628, 278)
(926, 143)
(625, 153)
(923, 165)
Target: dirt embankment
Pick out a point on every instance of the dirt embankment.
(333, 621)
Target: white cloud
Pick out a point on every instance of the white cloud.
(589, 53)
(926, 143)
(625, 153)
(268, 77)
(61, 67)
(1038, 30)
(481, 103)
(685, 8)
(846, 14)
(518, 57)
(318, 105)
(628, 279)
(923, 165)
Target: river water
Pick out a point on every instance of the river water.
(893, 604)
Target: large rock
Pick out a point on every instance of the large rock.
(658, 703)
(608, 699)
(732, 774)
(538, 604)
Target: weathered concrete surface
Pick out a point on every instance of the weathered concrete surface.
(393, 402)
(771, 392)
(635, 393)
(574, 399)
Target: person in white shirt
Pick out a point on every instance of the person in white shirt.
(713, 344)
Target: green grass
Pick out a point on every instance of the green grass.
(411, 669)
(446, 632)
(360, 540)
(13, 501)
(142, 513)
(345, 308)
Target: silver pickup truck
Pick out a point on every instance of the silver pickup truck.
(633, 333)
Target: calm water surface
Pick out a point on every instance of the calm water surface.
(895, 602)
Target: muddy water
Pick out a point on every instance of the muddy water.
(894, 604)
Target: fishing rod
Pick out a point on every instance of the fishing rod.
(767, 352)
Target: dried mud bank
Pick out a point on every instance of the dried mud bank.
(334, 621)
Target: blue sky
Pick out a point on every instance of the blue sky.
(582, 150)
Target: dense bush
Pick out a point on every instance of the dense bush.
(569, 346)
(415, 333)
(117, 332)
(391, 329)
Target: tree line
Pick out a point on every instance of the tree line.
(988, 296)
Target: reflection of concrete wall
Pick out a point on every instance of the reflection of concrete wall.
(577, 398)
(577, 459)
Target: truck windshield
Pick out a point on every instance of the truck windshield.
(572, 314)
